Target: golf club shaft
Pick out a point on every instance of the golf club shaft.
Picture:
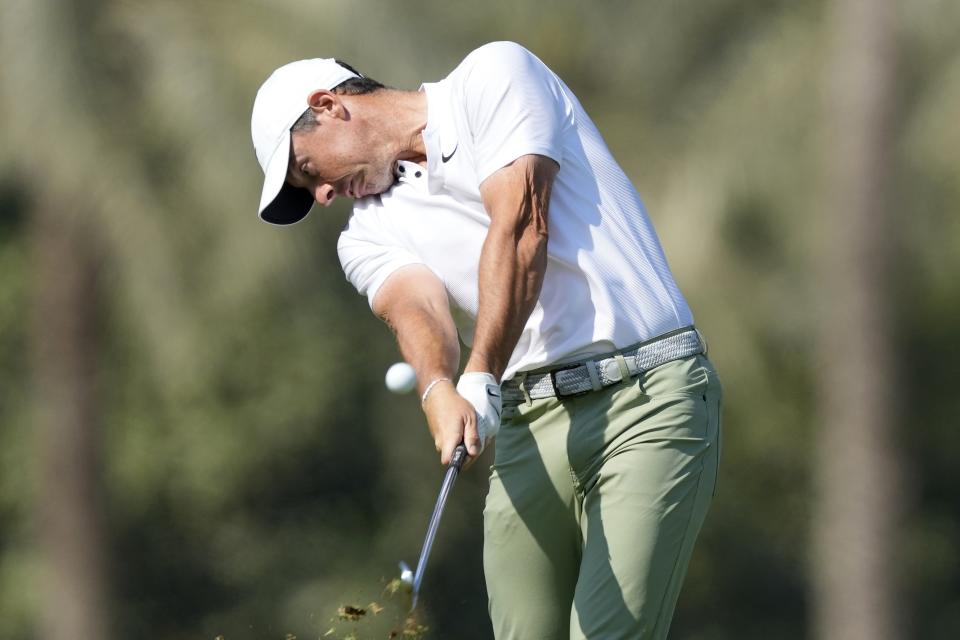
(453, 469)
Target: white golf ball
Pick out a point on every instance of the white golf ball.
(401, 378)
(406, 576)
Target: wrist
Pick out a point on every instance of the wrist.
(432, 387)
(479, 363)
(477, 377)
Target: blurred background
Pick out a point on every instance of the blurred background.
(195, 439)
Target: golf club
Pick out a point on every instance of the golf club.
(453, 469)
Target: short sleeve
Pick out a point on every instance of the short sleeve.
(368, 254)
(514, 105)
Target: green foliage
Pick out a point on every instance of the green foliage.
(259, 476)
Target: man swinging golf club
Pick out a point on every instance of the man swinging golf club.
(487, 204)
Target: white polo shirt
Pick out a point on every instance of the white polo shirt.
(607, 283)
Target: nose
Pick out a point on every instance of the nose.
(324, 194)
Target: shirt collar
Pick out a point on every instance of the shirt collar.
(440, 134)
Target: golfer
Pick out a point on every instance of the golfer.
(488, 205)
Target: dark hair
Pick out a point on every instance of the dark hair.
(350, 87)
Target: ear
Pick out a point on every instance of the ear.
(326, 103)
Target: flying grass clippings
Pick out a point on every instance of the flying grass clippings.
(407, 626)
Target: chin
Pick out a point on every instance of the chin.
(380, 186)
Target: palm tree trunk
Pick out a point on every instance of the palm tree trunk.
(859, 497)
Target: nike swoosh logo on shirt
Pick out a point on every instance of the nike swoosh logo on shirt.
(492, 394)
(446, 159)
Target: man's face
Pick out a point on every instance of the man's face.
(341, 156)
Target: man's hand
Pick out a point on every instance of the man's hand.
(483, 392)
(452, 419)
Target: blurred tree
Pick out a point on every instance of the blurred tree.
(256, 473)
(69, 507)
(858, 512)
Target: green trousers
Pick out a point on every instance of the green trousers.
(595, 503)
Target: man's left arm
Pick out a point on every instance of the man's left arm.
(513, 259)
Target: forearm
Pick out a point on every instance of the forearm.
(428, 342)
(512, 267)
(513, 260)
(414, 303)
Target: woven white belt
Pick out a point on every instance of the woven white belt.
(579, 378)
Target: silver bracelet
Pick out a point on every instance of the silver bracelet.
(433, 383)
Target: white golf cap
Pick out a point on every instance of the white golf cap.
(280, 102)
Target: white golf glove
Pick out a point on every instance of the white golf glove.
(483, 392)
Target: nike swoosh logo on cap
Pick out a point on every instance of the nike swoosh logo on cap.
(446, 159)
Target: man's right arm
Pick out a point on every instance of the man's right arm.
(414, 303)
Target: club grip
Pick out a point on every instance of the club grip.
(459, 457)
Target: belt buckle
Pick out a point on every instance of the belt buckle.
(556, 386)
